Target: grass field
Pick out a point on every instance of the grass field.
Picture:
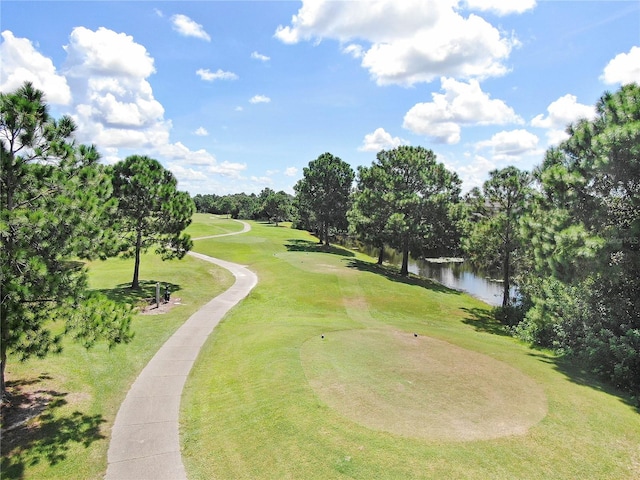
(269, 397)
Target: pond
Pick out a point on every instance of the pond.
(455, 274)
(460, 276)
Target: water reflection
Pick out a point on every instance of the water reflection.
(458, 275)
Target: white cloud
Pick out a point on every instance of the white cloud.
(259, 56)
(209, 76)
(228, 169)
(410, 41)
(623, 68)
(188, 28)
(186, 174)
(560, 113)
(461, 104)
(114, 103)
(501, 7)
(380, 140)
(21, 62)
(262, 180)
(355, 50)
(201, 132)
(291, 172)
(106, 53)
(511, 145)
(474, 174)
(259, 99)
(238, 108)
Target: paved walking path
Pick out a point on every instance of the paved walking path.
(145, 442)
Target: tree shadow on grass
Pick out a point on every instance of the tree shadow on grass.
(484, 321)
(123, 293)
(576, 373)
(296, 245)
(393, 275)
(34, 431)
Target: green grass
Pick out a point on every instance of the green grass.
(205, 224)
(269, 398)
(260, 404)
(84, 388)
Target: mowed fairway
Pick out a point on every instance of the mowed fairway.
(334, 368)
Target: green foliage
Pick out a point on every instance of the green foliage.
(493, 241)
(405, 199)
(276, 206)
(584, 231)
(324, 191)
(55, 197)
(151, 211)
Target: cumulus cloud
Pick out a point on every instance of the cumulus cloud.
(21, 62)
(188, 28)
(511, 145)
(461, 104)
(291, 172)
(201, 132)
(259, 99)
(114, 103)
(209, 76)
(500, 7)
(409, 41)
(560, 113)
(380, 140)
(623, 68)
(474, 173)
(104, 81)
(259, 56)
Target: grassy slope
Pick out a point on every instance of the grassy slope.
(249, 411)
(86, 387)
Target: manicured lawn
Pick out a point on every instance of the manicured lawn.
(270, 398)
(83, 388)
(205, 224)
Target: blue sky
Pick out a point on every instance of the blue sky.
(237, 96)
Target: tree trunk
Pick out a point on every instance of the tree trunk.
(506, 280)
(381, 255)
(3, 364)
(326, 233)
(404, 270)
(135, 284)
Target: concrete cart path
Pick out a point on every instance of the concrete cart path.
(145, 441)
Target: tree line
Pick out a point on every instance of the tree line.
(566, 234)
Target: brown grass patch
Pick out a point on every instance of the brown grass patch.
(421, 387)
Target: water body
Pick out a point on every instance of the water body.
(460, 276)
(457, 274)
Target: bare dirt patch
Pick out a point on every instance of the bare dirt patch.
(421, 387)
(153, 309)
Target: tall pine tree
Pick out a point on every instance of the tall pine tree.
(54, 197)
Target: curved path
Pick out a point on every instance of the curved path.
(145, 442)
